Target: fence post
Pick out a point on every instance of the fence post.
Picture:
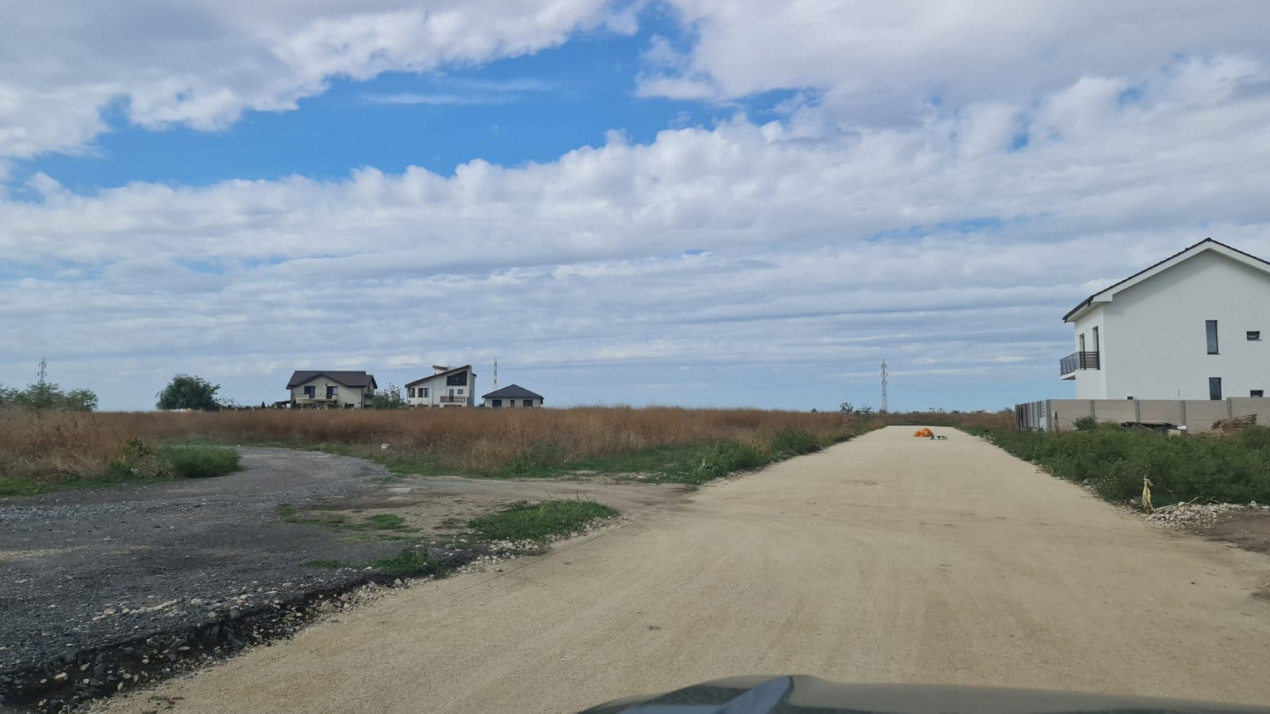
(1230, 408)
(1188, 426)
(1137, 411)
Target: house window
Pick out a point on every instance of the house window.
(456, 380)
(1082, 342)
(310, 392)
(497, 402)
(1254, 335)
(1095, 339)
(460, 391)
(423, 392)
(332, 391)
(410, 392)
(1210, 326)
(1256, 393)
(1214, 388)
(528, 403)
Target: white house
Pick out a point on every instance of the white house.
(445, 388)
(512, 396)
(1188, 327)
(331, 389)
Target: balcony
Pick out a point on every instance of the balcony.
(1069, 365)
(453, 400)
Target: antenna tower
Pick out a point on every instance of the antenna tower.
(884, 406)
(496, 374)
(43, 373)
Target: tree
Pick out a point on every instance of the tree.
(47, 395)
(187, 391)
(389, 398)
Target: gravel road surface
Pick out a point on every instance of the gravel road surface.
(886, 559)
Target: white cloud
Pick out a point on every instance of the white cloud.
(885, 60)
(941, 245)
(203, 63)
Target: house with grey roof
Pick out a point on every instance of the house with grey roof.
(445, 387)
(331, 389)
(512, 396)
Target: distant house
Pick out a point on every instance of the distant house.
(1188, 327)
(512, 396)
(331, 389)
(447, 387)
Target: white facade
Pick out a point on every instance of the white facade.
(512, 403)
(447, 388)
(1147, 337)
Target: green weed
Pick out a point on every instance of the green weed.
(201, 461)
(538, 521)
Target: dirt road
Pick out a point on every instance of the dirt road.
(887, 559)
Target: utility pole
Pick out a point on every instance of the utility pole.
(884, 405)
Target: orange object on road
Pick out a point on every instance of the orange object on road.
(924, 432)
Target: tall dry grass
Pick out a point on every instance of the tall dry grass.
(48, 447)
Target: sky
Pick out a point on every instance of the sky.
(708, 203)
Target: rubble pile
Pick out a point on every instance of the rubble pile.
(1197, 515)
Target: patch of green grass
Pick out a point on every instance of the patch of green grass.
(386, 521)
(201, 461)
(1113, 461)
(538, 521)
(323, 564)
(411, 562)
(19, 487)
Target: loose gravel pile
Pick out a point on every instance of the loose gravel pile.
(1193, 516)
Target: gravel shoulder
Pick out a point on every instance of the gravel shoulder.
(885, 559)
(173, 572)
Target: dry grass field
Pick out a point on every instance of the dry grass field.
(44, 449)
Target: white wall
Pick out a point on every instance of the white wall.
(519, 403)
(1091, 383)
(1153, 337)
(437, 388)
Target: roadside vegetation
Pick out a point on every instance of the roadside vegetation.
(1112, 461)
(46, 449)
(538, 521)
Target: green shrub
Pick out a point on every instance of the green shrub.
(720, 459)
(792, 442)
(201, 461)
(1086, 424)
(1113, 462)
(538, 521)
(411, 562)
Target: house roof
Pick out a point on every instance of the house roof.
(446, 373)
(512, 391)
(348, 379)
(1204, 246)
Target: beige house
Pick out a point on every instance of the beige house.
(332, 390)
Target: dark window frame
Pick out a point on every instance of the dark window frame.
(1210, 332)
(310, 391)
(1214, 389)
(332, 391)
(496, 403)
(1253, 335)
(1256, 393)
(527, 403)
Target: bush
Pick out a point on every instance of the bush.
(792, 442)
(201, 461)
(1113, 462)
(538, 521)
(722, 458)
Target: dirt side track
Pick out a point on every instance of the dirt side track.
(886, 559)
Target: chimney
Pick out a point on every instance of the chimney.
(440, 368)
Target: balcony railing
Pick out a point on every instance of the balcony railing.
(1077, 361)
(453, 400)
